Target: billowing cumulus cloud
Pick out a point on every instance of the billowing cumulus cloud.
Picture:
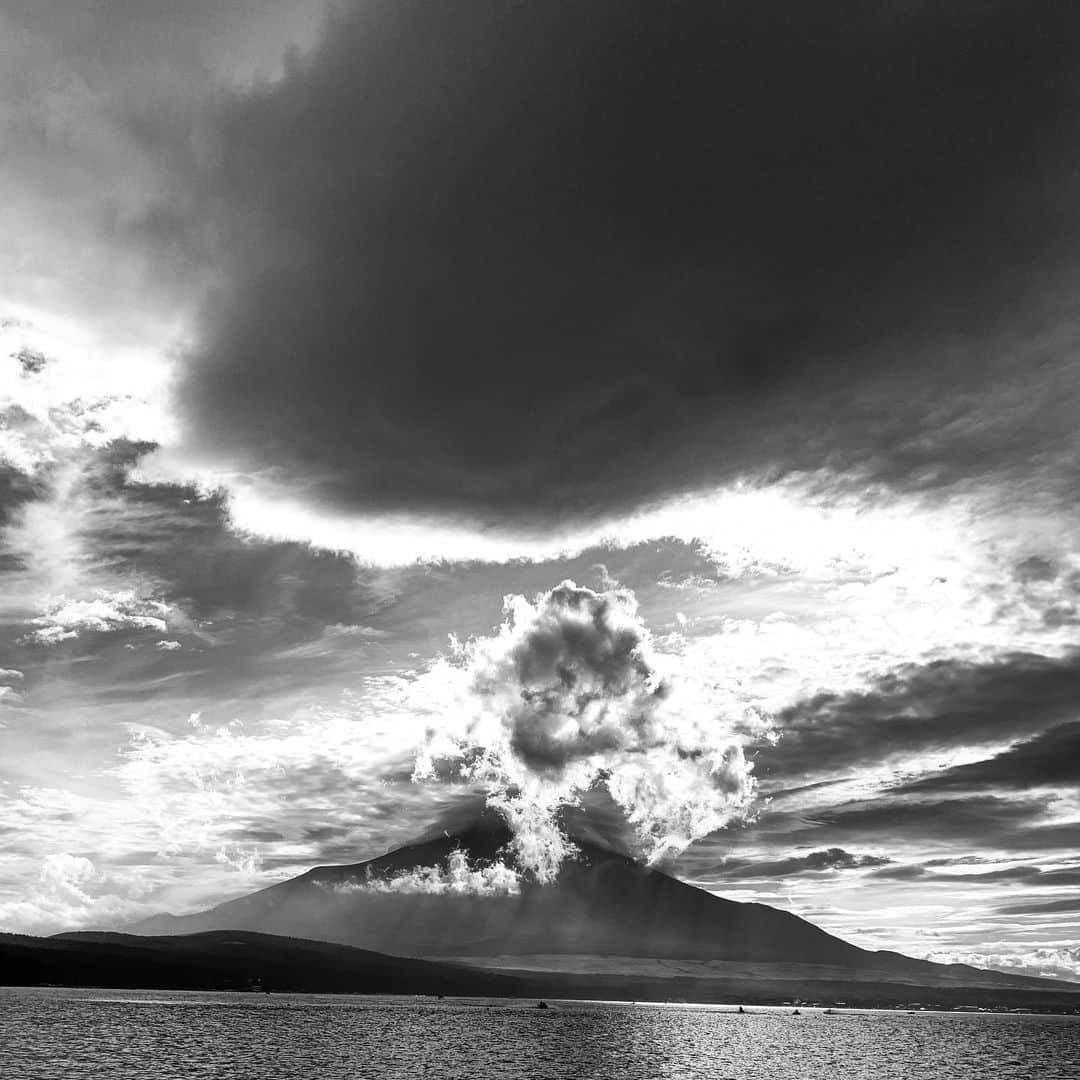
(569, 694)
(71, 891)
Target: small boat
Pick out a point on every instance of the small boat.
(796, 1013)
(542, 1005)
(741, 1009)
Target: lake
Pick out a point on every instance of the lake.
(53, 1033)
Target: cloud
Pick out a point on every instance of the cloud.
(854, 266)
(957, 873)
(1058, 961)
(1050, 759)
(1044, 907)
(813, 862)
(907, 827)
(185, 541)
(992, 822)
(106, 612)
(341, 767)
(67, 430)
(922, 709)
(458, 878)
(70, 891)
(66, 873)
(80, 87)
(31, 361)
(568, 694)
(88, 394)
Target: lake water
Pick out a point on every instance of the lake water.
(54, 1034)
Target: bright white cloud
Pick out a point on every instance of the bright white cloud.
(70, 892)
(803, 526)
(458, 878)
(1054, 961)
(105, 612)
(88, 392)
(569, 693)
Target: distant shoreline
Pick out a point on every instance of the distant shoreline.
(261, 964)
(724, 1008)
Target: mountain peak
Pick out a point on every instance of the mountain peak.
(451, 894)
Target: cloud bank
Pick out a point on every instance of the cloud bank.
(570, 694)
(684, 268)
(457, 878)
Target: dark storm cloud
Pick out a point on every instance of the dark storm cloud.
(1051, 759)
(938, 706)
(498, 258)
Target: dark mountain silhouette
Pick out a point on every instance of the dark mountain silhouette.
(606, 913)
(232, 960)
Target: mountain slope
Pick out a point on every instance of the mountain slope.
(603, 905)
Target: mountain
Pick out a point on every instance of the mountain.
(232, 960)
(606, 914)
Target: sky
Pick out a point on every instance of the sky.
(654, 421)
